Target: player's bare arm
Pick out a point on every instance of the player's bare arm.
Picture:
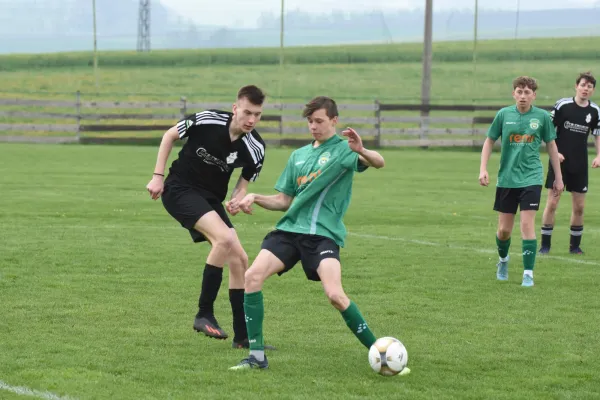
(238, 193)
(596, 161)
(555, 161)
(156, 186)
(276, 202)
(369, 158)
(486, 152)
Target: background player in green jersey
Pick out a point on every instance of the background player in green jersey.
(314, 191)
(522, 128)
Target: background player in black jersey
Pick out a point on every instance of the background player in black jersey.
(194, 191)
(574, 118)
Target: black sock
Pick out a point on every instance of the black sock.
(547, 235)
(576, 233)
(211, 283)
(236, 298)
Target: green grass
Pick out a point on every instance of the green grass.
(458, 51)
(455, 78)
(99, 287)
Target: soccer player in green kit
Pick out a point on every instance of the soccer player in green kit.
(522, 128)
(314, 191)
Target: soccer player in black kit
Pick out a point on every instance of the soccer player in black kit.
(574, 118)
(196, 186)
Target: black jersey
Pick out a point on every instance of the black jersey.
(209, 157)
(573, 126)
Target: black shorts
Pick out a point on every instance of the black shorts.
(574, 181)
(292, 247)
(188, 204)
(508, 200)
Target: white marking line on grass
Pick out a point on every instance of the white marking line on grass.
(455, 247)
(23, 391)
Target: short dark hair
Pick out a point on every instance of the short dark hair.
(254, 95)
(525, 82)
(587, 76)
(321, 102)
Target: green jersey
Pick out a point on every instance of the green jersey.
(320, 181)
(522, 135)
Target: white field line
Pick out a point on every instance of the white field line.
(463, 248)
(23, 391)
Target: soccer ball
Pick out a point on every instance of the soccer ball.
(388, 356)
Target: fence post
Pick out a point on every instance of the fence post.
(78, 108)
(378, 123)
(280, 123)
(183, 109)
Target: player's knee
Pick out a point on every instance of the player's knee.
(578, 210)
(253, 278)
(337, 298)
(224, 242)
(552, 204)
(503, 233)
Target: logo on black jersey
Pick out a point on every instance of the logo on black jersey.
(588, 118)
(232, 157)
(212, 160)
(570, 126)
(188, 123)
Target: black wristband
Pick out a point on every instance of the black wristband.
(158, 174)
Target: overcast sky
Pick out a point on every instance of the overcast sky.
(246, 12)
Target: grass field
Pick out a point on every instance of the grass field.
(351, 83)
(350, 74)
(98, 287)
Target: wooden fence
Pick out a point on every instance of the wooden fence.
(381, 124)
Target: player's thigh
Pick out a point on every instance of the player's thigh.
(189, 206)
(214, 229)
(550, 177)
(237, 250)
(280, 249)
(330, 273)
(529, 198)
(506, 222)
(528, 224)
(506, 201)
(314, 249)
(577, 182)
(264, 265)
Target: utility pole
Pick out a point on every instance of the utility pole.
(95, 44)
(143, 43)
(427, 59)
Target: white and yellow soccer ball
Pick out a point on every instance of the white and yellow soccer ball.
(388, 356)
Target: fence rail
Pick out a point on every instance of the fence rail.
(377, 121)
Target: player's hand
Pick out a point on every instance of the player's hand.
(596, 162)
(484, 178)
(155, 187)
(246, 203)
(561, 158)
(354, 140)
(233, 207)
(558, 187)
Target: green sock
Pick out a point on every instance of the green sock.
(358, 326)
(529, 251)
(503, 246)
(255, 313)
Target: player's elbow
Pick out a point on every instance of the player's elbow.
(380, 163)
(285, 201)
(172, 134)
